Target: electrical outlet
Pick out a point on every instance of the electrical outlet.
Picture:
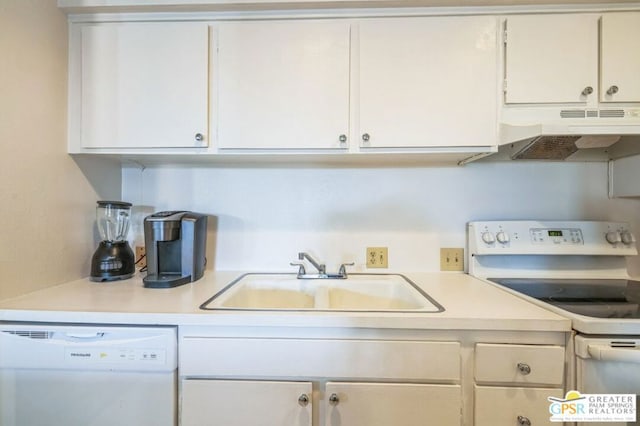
(377, 257)
(452, 259)
(141, 257)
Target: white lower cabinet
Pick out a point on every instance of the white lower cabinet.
(384, 404)
(513, 383)
(289, 403)
(513, 406)
(245, 402)
(311, 377)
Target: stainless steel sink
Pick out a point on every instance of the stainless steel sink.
(358, 292)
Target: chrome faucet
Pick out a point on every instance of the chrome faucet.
(321, 267)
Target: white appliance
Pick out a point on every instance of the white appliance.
(576, 269)
(87, 375)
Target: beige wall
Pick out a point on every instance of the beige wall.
(47, 201)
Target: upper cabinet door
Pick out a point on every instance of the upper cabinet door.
(551, 58)
(283, 84)
(620, 57)
(144, 85)
(428, 82)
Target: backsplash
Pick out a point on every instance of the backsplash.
(265, 216)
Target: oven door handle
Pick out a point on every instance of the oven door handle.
(607, 353)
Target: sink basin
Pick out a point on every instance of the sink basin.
(358, 292)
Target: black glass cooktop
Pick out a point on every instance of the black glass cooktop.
(594, 298)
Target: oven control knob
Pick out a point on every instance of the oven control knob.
(502, 237)
(613, 237)
(488, 238)
(627, 237)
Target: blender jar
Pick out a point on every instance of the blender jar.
(113, 220)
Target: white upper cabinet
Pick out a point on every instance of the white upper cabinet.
(561, 58)
(428, 82)
(551, 58)
(620, 57)
(283, 84)
(144, 85)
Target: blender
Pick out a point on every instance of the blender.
(113, 259)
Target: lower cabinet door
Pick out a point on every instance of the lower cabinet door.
(397, 404)
(512, 406)
(245, 403)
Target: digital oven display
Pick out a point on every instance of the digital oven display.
(554, 233)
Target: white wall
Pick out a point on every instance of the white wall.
(47, 205)
(266, 215)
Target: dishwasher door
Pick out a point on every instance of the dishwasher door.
(87, 375)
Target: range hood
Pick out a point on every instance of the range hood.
(571, 134)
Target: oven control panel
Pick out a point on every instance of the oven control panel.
(551, 238)
(555, 236)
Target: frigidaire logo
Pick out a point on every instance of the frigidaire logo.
(81, 354)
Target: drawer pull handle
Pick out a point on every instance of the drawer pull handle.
(612, 90)
(587, 91)
(524, 368)
(303, 400)
(524, 421)
(334, 399)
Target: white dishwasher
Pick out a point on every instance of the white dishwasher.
(87, 375)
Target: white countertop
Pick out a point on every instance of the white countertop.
(470, 304)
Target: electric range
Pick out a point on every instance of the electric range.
(576, 269)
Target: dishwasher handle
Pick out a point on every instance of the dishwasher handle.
(613, 354)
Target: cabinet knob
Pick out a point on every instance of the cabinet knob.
(612, 90)
(366, 137)
(524, 421)
(524, 368)
(587, 91)
(303, 399)
(334, 399)
(342, 138)
(199, 137)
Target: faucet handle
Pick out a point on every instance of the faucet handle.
(343, 268)
(300, 265)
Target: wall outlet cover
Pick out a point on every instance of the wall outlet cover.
(141, 258)
(377, 257)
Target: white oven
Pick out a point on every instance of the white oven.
(576, 269)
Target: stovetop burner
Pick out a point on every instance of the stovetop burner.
(594, 298)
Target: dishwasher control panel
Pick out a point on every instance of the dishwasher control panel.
(101, 347)
(107, 355)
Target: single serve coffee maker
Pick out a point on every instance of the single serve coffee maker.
(175, 243)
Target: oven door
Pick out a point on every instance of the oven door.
(608, 365)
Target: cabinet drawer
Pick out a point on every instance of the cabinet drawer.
(332, 358)
(497, 406)
(521, 364)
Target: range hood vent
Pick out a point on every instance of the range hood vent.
(557, 133)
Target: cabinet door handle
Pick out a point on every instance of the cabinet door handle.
(334, 399)
(524, 421)
(524, 368)
(587, 91)
(366, 137)
(199, 137)
(342, 138)
(612, 90)
(303, 399)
